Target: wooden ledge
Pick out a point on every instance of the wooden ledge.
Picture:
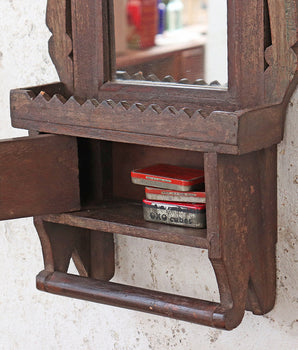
(126, 218)
(229, 132)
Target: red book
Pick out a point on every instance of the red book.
(170, 177)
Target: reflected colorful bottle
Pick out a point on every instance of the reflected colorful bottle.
(142, 23)
(161, 7)
(174, 15)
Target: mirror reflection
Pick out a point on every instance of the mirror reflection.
(173, 41)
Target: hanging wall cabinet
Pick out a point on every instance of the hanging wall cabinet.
(89, 130)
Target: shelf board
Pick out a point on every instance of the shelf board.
(126, 218)
(219, 129)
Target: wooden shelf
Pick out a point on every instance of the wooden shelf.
(126, 218)
(45, 109)
(234, 132)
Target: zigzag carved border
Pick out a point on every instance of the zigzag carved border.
(219, 127)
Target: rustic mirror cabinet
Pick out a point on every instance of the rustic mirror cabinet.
(88, 131)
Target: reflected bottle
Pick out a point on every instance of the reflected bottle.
(142, 23)
(161, 25)
(174, 15)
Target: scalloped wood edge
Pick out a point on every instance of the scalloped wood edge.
(123, 75)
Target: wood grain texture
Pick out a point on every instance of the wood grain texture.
(280, 56)
(38, 175)
(238, 127)
(220, 127)
(246, 51)
(140, 299)
(60, 44)
(91, 26)
(247, 232)
(263, 237)
(125, 137)
(126, 218)
(91, 251)
(249, 130)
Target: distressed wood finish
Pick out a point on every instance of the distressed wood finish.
(39, 175)
(242, 243)
(237, 128)
(92, 45)
(218, 127)
(280, 56)
(60, 44)
(246, 51)
(249, 130)
(170, 305)
(91, 251)
(126, 218)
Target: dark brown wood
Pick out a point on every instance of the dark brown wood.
(91, 24)
(263, 237)
(39, 175)
(177, 95)
(280, 56)
(212, 203)
(96, 171)
(237, 128)
(248, 129)
(219, 127)
(246, 51)
(174, 306)
(127, 157)
(242, 229)
(261, 128)
(92, 252)
(126, 137)
(60, 44)
(92, 53)
(249, 36)
(102, 255)
(126, 218)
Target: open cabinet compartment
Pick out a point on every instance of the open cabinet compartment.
(234, 184)
(119, 208)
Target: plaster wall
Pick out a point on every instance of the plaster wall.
(31, 320)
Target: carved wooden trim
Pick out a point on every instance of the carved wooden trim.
(60, 43)
(235, 132)
(280, 56)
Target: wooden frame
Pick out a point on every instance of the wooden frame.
(82, 49)
(231, 133)
(253, 36)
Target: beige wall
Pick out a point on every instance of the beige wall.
(32, 320)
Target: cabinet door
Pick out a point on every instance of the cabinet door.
(38, 175)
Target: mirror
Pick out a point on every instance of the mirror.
(172, 41)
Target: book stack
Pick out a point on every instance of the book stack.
(173, 195)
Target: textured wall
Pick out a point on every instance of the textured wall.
(32, 320)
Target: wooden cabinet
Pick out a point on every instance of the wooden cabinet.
(86, 196)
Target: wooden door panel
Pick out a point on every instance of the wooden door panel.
(38, 175)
